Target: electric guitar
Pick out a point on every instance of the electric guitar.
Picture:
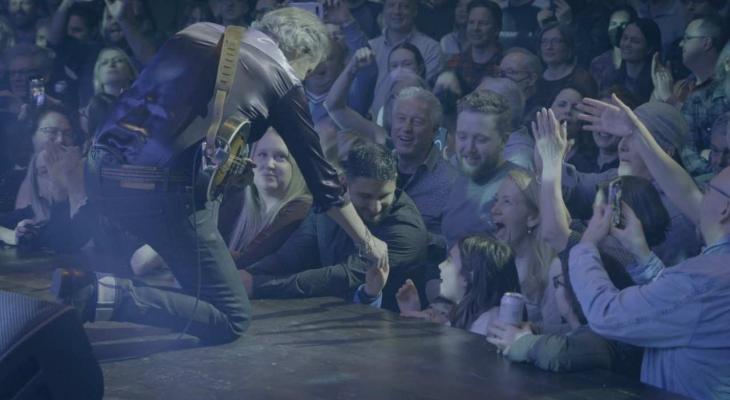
(228, 163)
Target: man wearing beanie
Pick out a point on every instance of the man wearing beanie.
(669, 130)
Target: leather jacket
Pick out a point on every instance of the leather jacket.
(163, 117)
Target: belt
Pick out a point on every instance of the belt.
(146, 178)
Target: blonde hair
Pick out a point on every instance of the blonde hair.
(533, 285)
(254, 217)
(98, 86)
(299, 34)
(41, 206)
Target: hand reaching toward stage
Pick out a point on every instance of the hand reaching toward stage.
(375, 280)
(407, 298)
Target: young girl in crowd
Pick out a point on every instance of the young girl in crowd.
(477, 272)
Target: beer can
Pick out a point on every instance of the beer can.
(510, 308)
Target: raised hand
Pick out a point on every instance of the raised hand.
(336, 12)
(407, 298)
(661, 77)
(563, 12)
(118, 9)
(363, 57)
(615, 118)
(551, 138)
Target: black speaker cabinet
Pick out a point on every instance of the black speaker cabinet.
(44, 352)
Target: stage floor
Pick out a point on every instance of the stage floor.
(321, 348)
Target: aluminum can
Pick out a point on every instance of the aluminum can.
(511, 308)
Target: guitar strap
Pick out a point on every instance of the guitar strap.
(230, 45)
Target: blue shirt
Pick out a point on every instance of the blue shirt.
(681, 317)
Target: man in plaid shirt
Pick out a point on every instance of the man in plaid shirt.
(484, 54)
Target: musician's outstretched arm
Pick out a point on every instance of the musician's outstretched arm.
(373, 248)
(290, 117)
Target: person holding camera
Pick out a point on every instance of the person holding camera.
(679, 314)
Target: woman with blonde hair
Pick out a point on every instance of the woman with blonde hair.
(257, 219)
(516, 219)
(114, 72)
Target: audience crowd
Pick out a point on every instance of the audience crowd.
(574, 151)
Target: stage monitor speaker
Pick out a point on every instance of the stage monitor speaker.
(44, 352)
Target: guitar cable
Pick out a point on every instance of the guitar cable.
(197, 245)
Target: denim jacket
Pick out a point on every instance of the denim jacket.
(681, 317)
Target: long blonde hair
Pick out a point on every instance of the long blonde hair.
(41, 206)
(254, 217)
(533, 285)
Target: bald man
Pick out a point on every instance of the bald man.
(680, 315)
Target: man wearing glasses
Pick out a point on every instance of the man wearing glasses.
(680, 315)
(525, 69)
(705, 101)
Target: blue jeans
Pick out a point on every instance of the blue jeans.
(185, 234)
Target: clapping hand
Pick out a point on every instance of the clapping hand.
(661, 77)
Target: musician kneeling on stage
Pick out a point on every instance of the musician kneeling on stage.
(140, 168)
(319, 259)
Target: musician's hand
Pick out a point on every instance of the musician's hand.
(378, 253)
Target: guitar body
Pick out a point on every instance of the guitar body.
(229, 164)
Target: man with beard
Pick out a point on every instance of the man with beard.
(23, 15)
(320, 259)
(482, 128)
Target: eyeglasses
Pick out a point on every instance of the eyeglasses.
(687, 38)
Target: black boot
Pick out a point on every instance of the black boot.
(76, 288)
